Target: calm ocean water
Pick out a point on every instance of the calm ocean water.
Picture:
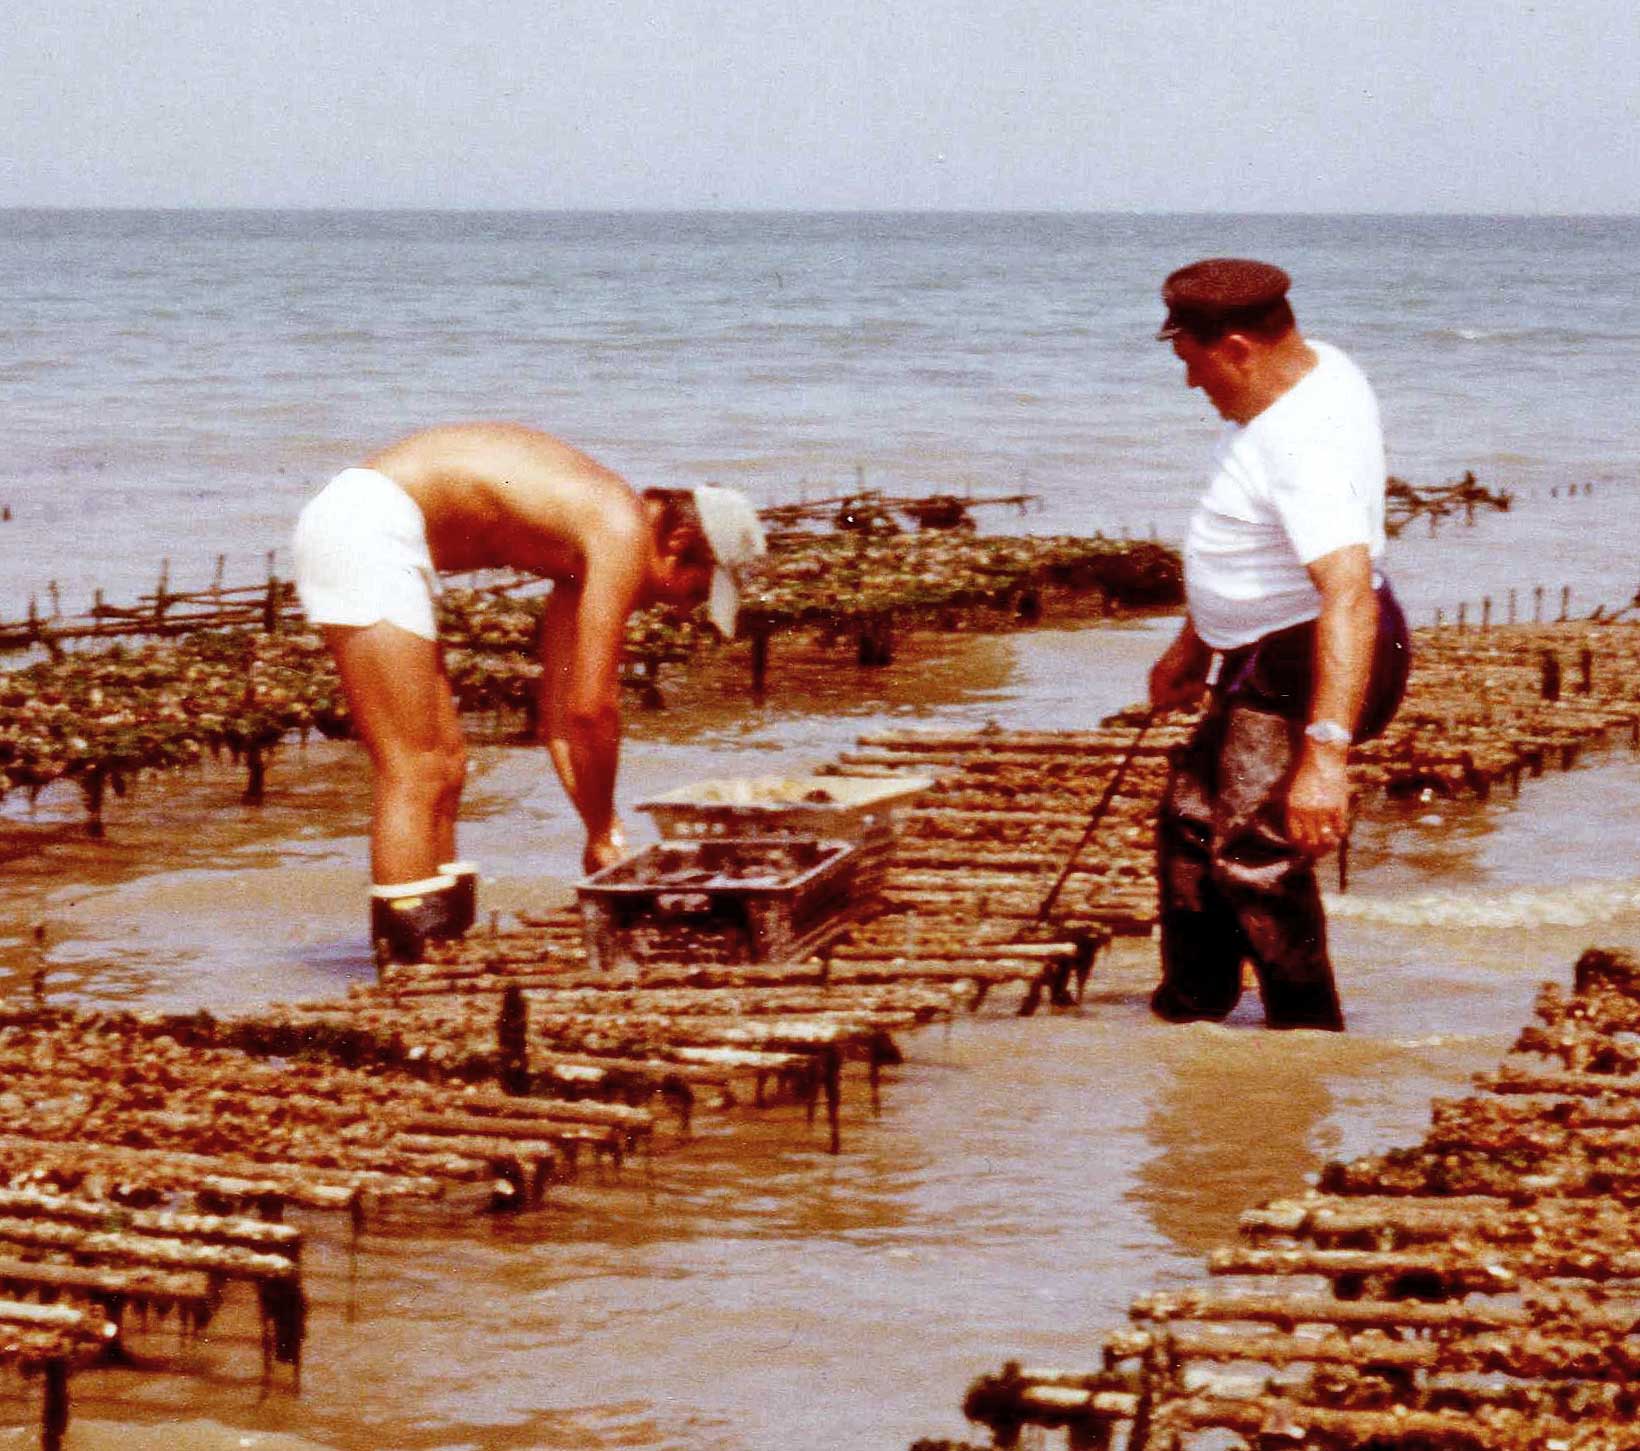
(177, 383)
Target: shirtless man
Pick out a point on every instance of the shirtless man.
(368, 551)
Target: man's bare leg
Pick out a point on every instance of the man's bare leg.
(405, 715)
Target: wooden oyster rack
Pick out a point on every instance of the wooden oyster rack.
(157, 1155)
(1480, 1290)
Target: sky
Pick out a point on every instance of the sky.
(1064, 105)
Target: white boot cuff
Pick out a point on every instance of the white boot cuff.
(424, 888)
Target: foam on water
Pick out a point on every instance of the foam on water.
(1580, 904)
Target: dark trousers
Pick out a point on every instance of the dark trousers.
(1233, 887)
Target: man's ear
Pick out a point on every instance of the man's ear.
(680, 539)
(1236, 349)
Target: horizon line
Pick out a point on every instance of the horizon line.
(260, 208)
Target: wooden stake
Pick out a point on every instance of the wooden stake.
(832, 1067)
(1551, 677)
(54, 1413)
(256, 777)
(512, 1041)
(759, 629)
(270, 605)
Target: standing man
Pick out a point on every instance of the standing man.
(1293, 632)
(368, 551)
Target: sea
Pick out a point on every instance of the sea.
(176, 384)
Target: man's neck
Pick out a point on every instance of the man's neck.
(1280, 367)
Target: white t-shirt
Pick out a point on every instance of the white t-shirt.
(1302, 479)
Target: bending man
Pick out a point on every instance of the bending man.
(461, 497)
(1309, 646)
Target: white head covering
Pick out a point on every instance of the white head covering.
(735, 538)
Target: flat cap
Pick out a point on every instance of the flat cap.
(1208, 295)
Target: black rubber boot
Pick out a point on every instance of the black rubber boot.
(406, 916)
(463, 896)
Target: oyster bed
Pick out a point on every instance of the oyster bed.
(1477, 1290)
(480, 1076)
(1009, 806)
(100, 719)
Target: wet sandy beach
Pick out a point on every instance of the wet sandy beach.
(1024, 1180)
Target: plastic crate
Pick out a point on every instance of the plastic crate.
(759, 899)
(840, 808)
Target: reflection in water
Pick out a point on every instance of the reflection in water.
(1232, 1122)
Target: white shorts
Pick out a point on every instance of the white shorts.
(361, 556)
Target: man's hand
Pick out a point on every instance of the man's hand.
(1180, 676)
(1172, 688)
(605, 850)
(1318, 801)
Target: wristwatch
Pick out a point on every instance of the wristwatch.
(1328, 733)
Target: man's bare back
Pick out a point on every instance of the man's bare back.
(500, 495)
(485, 495)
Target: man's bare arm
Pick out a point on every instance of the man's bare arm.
(582, 629)
(1319, 797)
